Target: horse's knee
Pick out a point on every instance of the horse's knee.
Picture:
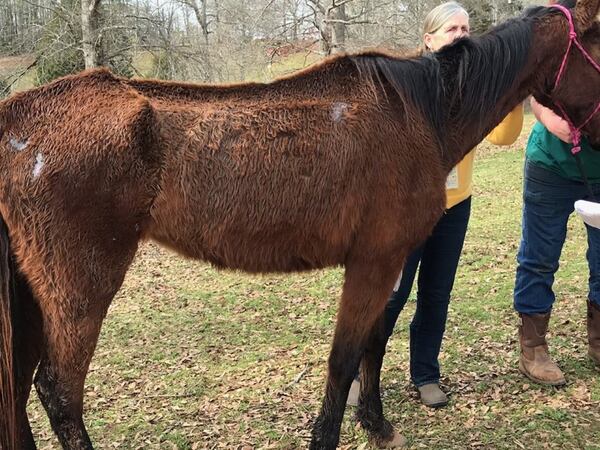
(343, 365)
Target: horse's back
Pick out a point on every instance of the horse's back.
(283, 185)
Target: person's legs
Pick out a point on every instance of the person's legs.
(547, 204)
(439, 263)
(399, 297)
(593, 302)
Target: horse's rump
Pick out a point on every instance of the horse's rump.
(81, 168)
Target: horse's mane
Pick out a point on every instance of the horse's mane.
(465, 79)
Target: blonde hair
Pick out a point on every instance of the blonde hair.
(439, 15)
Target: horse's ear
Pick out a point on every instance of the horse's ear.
(586, 13)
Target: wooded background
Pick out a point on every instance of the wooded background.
(206, 40)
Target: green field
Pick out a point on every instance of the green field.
(194, 358)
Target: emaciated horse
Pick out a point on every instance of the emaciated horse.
(341, 164)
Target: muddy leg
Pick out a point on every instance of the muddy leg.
(60, 378)
(370, 410)
(366, 290)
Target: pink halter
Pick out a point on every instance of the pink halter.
(575, 131)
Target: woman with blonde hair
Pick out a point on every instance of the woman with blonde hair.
(437, 258)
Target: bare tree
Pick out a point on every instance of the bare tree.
(213, 40)
(89, 32)
(329, 18)
(200, 9)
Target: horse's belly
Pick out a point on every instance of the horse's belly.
(272, 249)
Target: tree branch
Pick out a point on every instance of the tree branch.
(317, 5)
(350, 22)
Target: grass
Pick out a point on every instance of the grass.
(13, 66)
(292, 63)
(193, 358)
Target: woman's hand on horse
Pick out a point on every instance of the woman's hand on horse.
(555, 124)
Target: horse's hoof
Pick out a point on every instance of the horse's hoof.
(397, 441)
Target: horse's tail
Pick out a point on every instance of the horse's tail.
(8, 412)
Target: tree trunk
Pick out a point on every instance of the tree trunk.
(89, 32)
(201, 16)
(338, 28)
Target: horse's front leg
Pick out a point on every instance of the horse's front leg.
(366, 290)
(370, 409)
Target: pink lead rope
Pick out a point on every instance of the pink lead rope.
(575, 131)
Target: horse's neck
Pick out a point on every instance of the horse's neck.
(463, 137)
(541, 66)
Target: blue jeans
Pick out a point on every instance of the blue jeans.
(547, 204)
(438, 258)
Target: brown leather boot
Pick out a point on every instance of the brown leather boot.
(593, 327)
(534, 361)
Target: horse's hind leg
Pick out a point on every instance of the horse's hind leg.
(74, 297)
(28, 348)
(366, 290)
(60, 377)
(71, 334)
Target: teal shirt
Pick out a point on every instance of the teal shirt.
(548, 151)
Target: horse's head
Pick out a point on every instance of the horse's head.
(574, 93)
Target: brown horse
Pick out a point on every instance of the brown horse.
(343, 163)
